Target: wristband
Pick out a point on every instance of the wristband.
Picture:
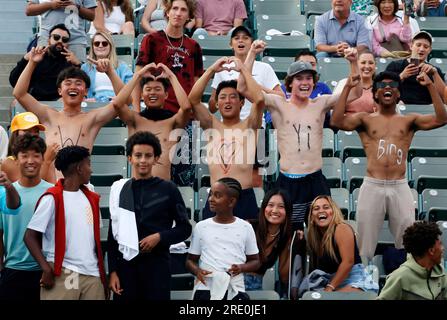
(330, 286)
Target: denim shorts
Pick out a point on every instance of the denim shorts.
(360, 279)
(252, 281)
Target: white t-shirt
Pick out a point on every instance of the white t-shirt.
(80, 249)
(262, 72)
(221, 245)
(102, 82)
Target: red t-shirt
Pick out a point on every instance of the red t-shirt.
(184, 59)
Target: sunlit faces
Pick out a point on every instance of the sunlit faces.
(73, 89)
(275, 211)
(154, 94)
(178, 15)
(387, 92)
(142, 159)
(29, 162)
(101, 51)
(437, 252)
(84, 170)
(311, 59)
(219, 199)
(241, 43)
(341, 5)
(229, 103)
(386, 8)
(302, 85)
(367, 65)
(420, 48)
(61, 35)
(322, 213)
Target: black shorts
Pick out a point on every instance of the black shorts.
(246, 207)
(20, 284)
(302, 192)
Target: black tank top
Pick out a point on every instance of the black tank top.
(330, 265)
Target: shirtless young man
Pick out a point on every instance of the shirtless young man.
(71, 126)
(154, 118)
(299, 124)
(232, 143)
(386, 137)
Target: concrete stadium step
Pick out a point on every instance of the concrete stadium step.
(4, 79)
(11, 58)
(22, 36)
(13, 48)
(13, 4)
(17, 25)
(5, 103)
(6, 67)
(6, 91)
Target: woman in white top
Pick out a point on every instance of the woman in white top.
(113, 16)
(154, 18)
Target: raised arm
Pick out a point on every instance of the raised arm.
(344, 237)
(254, 92)
(431, 121)
(438, 81)
(338, 118)
(184, 113)
(201, 112)
(107, 113)
(98, 22)
(21, 89)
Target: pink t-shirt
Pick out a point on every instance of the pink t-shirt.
(219, 15)
(363, 104)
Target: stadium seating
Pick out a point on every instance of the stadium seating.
(332, 170)
(434, 204)
(341, 198)
(324, 295)
(355, 170)
(268, 24)
(289, 7)
(348, 145)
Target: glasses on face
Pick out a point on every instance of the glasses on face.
(98, 43)
(58, 37)
(391, 84)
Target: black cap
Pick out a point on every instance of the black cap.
(243, 29)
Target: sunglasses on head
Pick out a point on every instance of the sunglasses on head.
(57, 37)
(391, 84)
(98, 43)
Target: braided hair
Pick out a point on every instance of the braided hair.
(234, 187)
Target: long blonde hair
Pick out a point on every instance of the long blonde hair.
(318, 240)
(112, 54)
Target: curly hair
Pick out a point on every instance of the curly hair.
(420, 237)
(27, 142)
(146, 138)
(68, 156)
(191, 4)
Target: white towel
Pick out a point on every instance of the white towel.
(124, 226)
(218, 282)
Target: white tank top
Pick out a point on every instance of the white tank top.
(102, 82)
(115, 21)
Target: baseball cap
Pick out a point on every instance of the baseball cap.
(423, 35)
(299, 66)
(239, 29)
(24, 121)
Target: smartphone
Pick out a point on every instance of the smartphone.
(415, 61)
(409, 8)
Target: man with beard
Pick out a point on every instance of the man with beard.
(386, 137)
(155, 118)
(58, 57)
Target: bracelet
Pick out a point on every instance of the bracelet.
(330, 286)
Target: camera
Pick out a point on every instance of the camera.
(409, 8)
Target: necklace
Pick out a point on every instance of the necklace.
(273, 234)
(167, 38)
(367, 88)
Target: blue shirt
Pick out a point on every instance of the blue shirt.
(328, 30)
(14, 224)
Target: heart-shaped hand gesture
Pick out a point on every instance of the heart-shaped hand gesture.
(163, 71)
(236, 64)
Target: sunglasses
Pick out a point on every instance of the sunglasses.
(98, 43)
(392, 84)
(57, 37)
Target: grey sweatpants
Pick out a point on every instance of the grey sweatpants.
(376, 198)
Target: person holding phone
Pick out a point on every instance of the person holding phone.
(409, 69)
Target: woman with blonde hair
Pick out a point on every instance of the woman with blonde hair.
(333, 248)
(107, 74)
